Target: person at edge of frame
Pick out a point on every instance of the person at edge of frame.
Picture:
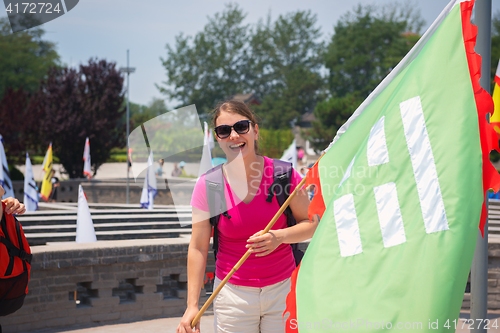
(12, 205)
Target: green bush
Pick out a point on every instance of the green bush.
(273, 143)
(494, 156)
(36, 159)
(15, 173)
(117, 158)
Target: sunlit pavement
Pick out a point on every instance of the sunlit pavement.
(170, 324)
(167, 325)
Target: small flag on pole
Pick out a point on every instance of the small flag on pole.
(85, 232)
(210, 135)
(47, 177)
(5, 180)
(87, 172)
(290, 154)
(30, 189)
(401, 196)
(149, 189)
(495, 118)
(206, 155)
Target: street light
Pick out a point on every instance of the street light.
(128, 70)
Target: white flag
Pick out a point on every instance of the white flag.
(87, 172)
(30, 189)
(149, 189)
(206, 155)
(290, 155)
(210, 136)
(4, 173)
(85, 232)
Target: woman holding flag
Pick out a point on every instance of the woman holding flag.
(253, 300)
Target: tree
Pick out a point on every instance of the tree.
(495, 45)
(25, 58)
(211, 66)
(280, 62)
(368, 43)
(286, 63)
(364, 49)
(330, 115)
(140, 114)
(19, 125)
(79, 104)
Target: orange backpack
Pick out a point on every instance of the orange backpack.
(15, 264)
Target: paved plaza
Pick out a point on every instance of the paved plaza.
(170, 324)
(118, 170)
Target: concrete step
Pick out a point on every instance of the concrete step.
(55, 220)
(111, 222)
(142, 225)
(68, 208)
(35, 239)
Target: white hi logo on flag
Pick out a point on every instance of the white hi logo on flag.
(388, 209)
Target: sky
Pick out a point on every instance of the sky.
(106, 29)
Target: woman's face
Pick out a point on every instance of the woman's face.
(237, 143)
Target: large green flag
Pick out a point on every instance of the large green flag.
(400, 192)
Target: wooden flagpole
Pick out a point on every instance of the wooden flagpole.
(246, 255)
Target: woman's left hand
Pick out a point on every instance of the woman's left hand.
(262, 245)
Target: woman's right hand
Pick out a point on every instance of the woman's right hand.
(185, 324)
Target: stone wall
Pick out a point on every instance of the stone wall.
(494, 276)
(83, 285)
(106, 282)
(172, 191)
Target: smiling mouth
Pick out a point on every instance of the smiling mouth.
(237, 146)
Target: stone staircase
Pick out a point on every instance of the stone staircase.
(494, 218)
(57, 222)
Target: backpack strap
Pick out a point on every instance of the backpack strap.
(13, 250)
(214, 182)
(26, 257)
(281, 187)
(8, 244)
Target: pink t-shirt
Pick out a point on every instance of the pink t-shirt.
(246, 220)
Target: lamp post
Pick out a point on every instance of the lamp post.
(128, 70)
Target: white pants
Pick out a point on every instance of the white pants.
(239, 309)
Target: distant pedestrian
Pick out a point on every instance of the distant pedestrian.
(55, 185)
(129, 158)
(177, 171)
(159, 171)
(182, 164)
(301, 154)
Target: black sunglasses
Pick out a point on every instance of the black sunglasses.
(240, 127)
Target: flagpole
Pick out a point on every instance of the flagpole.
(128, 70)
(246, 255)
(479, 270)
